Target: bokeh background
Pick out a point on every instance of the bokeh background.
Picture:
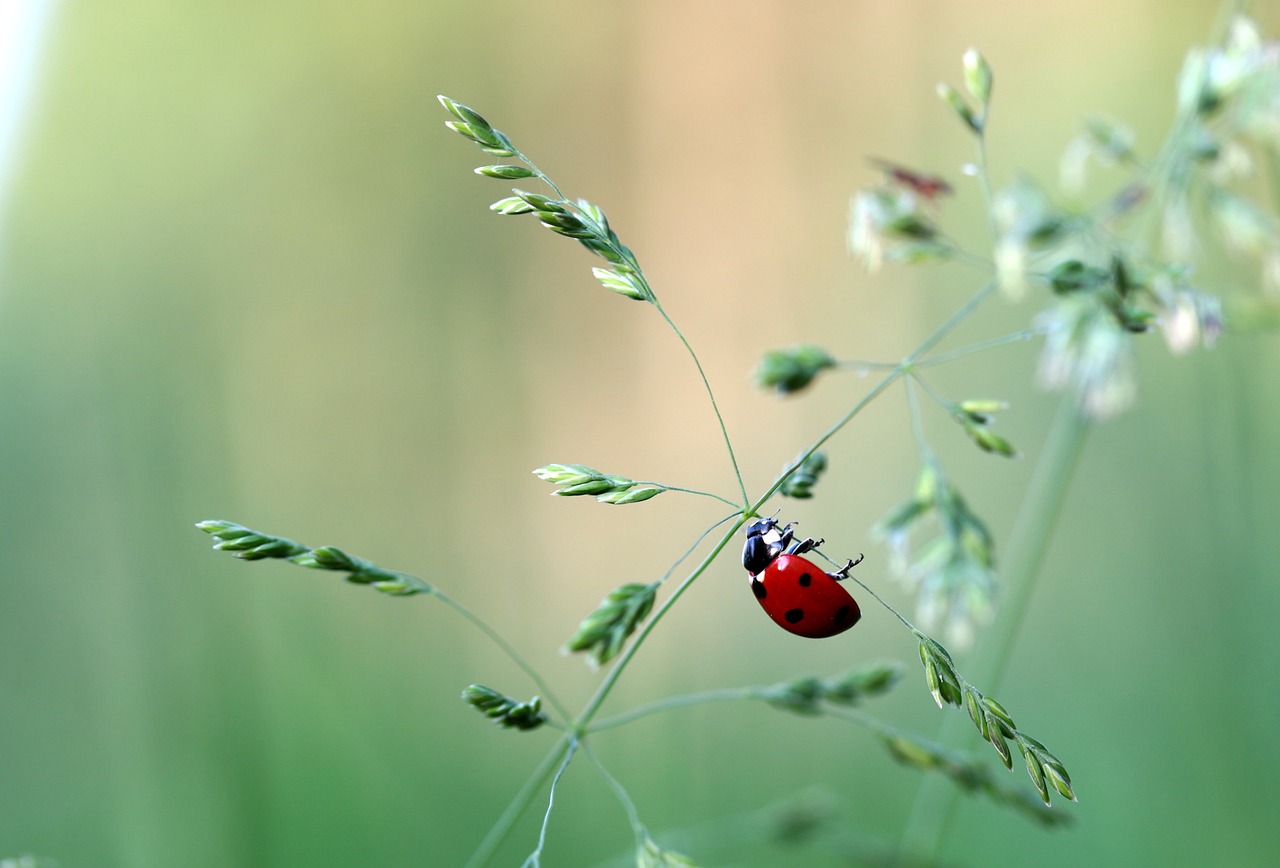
(246, 273)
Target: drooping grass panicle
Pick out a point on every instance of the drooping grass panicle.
(801, 481)
(978, 79)
(587, 223)
(576, 480)
(813, 696)
(578, 219)
(470, 124)
(603, 633)
(954, 572)
(976, 416)
(992, 721)
(970, 776)
(363, 572)
(610, 622)
(810, 695)
(840, 696)
(252, 545)
(249, 545)
(793, 369)
(503, 710)
(895, 223)
(1029, 227)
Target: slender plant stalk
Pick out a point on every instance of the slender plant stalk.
(991, 343)
(706, 384)
(726, 694)
(984, 180)
(1028, 543)
(508, 649)
(827, 435)
(938, 334)
(960, 315)
(865, 365)
(653, 299)
(694, 547)
(956, 253)
(579, 727)
(602, 692)
(535, 858)
(624, 798)
(519, 802)
(709, 494)
(758, 693)
(917, 420)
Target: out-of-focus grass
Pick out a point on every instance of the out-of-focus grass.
(247, 274)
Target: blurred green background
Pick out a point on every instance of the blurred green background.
(246, 273)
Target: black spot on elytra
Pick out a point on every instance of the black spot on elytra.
(794, 616)
(841, 615)
(758, 587)
(805, 580)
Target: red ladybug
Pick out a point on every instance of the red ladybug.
(792, 590)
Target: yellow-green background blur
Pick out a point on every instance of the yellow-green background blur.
(246, 273)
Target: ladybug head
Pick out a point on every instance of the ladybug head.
(765, 541)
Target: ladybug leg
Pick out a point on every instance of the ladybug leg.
(804, 545)
(784, 538)
(843, 573)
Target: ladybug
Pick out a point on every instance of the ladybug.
(792, 590)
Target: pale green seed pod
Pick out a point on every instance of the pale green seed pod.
(975, 713)
(633, 495)
(977, 76)
(511, 205)
(952, 97)
(1057, 776)
(464, 113)
(505, 172)
(624, 284)
(997, 741)
(1035, 771)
